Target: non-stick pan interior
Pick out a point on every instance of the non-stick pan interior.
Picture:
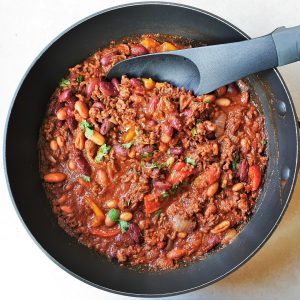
(30, 106)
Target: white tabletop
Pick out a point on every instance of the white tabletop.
(25, 272)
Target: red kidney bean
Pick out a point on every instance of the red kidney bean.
(106, 126)
(147, 149)
(120, 150)
(106, 59)
(107, 88)
(91, 86)
(116, 84)
(243, 170)
(125, 239)
(155, 173)
(150, 124)
(138, 49)
(135, 82)
(162, 185)
(232, 90)
(176, 150)
(64, 95)
(72, 123)
(135, 233)
(98, 105)
(152, 105)
(83, 165)
(112, 251)
(167, 129)
(175, 122)
(187, 113)
(71, 102)
(212, 241)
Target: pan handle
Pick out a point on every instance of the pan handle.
(287, 44)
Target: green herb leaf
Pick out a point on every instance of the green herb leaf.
(124, 225)
(206, 100)
(235, 162)
(168, 151)
(86, 178)
(80, 78)
(195, 102)
(154, 165)
(194, 131)
(147, 154)
(190, 161)
(158, 213)
(263, 141)
(89, 132)
(175, 187)
(64, 82)
(103, 150)
(128, 145)
(114, 214)
(164, 194)
(85, 124)
(169, 161)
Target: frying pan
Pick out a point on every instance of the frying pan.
(29, 107)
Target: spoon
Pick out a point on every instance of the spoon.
(204, 69)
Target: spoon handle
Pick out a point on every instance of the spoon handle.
(287, 44)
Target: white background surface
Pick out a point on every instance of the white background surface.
(25, 272)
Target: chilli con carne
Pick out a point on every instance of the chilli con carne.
(145, 172)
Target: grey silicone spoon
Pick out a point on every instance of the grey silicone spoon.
(204, 69)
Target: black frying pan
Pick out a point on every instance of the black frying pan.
(28, 110)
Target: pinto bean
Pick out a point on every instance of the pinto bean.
(176, 253)
(106, 126)
(108, 221)
(60, 141)
(138, 49)
(83, 165)
(55, 177)
(79, 140)
(82, 109)
(126, 216)
(222, 226)
(72, 165)
(210, 210)
(102, 178)
(223, 102)
(237, 187)
(107, 88)
(212, 189)
(96, 137)
(112, 204)
(230, 234)
(53, 145)
(61, 114)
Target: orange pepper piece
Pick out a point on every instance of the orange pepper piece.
(99, 215)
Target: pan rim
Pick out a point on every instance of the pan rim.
(173, 4)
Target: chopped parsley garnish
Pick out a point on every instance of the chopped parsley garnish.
(103, 150)
(87, 127)
(169, 161)
(164, 194)
(128, 145)
(147, 154)
(206, 100)
(194, 131)
(175, 188)
(158, 213)
(80, 78)
(195, 102)
(235, 162)
(190, 161)
(86, 178)
(64, 82)
(124, 225)
(155, 165)
(169, 151)
(114, 214)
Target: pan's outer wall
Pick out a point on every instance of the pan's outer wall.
(21, 157)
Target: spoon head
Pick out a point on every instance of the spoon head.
(178, 70)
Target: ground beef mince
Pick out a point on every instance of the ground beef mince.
(148, 173)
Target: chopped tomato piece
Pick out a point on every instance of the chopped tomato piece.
(99, 215)
(178, 173)
(213, 174)
(106, 233)
(254, 177)
(152, 203)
